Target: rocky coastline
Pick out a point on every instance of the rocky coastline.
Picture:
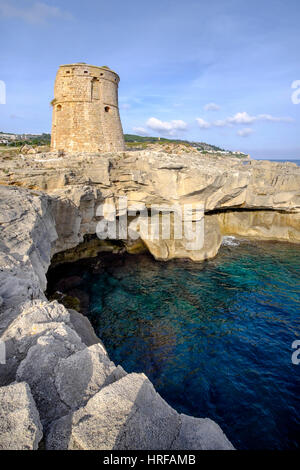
(70, 395)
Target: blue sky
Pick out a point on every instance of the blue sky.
(213, 71)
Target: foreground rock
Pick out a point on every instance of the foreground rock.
(82, 375)
(129, 414)
(38, 369)
(20, 426)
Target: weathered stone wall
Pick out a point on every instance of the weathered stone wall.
(85, 110)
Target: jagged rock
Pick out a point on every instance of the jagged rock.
(38, 369)
(84, 329)
(200, 434)
(20, 426)
(26, 222)
(130, 414)
(67, 222)
(27, 149)
(127, 414)
(82, 375)
(34, 319)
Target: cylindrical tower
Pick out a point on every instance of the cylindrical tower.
(85, 110)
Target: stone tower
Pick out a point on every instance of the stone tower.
(85, 110)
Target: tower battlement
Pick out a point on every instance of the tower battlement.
(85, 110)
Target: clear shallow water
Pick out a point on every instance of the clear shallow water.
(214, 338)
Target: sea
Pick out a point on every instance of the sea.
(218, 339)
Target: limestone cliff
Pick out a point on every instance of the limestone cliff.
(247, 198)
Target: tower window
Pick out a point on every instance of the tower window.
(58, 107)
(95, 88)
(106, 109)
(68, 71)
(86, 71)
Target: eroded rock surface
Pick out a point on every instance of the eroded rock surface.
(56, 372)
(20, 426)
(80, 183)
(129, 414)
(83, 374)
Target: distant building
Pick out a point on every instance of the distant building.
(9, 137)
(85, 110)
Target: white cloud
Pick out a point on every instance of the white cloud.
(268, 117)
(211, 107)
(125, 106)
(245, 132)
(166, 127)
(140, 131)
(242, 118)
(36, 13)
(245, 118)
(203, 124)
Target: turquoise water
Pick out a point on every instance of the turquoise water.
(214, 338)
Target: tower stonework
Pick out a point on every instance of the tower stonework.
(85, 110)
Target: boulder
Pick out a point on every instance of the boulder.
(83, 328)
(27, 149)
(38, 369)
(200, 434)
(34, 319)
(83, 374)
(127, 414)
(130, 414)
(20, 426)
